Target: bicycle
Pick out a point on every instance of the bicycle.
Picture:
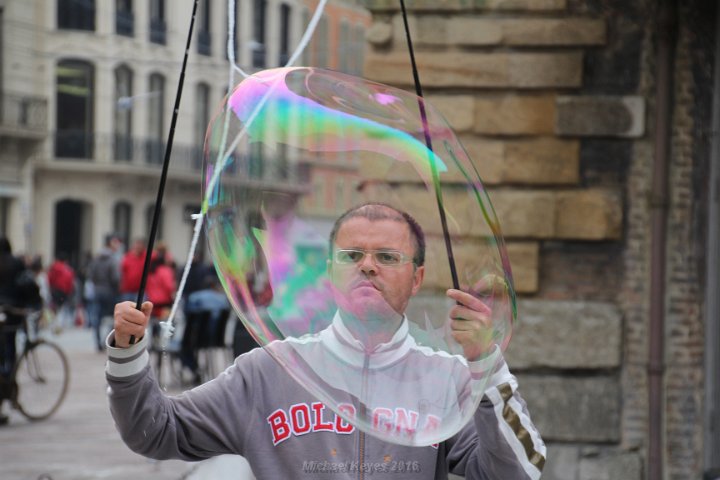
(40, 378)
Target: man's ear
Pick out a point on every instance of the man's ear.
(418, 277)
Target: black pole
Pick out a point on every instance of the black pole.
(166, 164)
(428, 143)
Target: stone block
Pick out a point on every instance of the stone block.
(525, 264)
(436, 30)
(488, 156)
(418, 5)
(467, 5)
(589, 214)
(458, 110)
(480, 31)
(541, 161)
(523, 70)
(545, 70)
(601, 116)
(524, 213)
(469, 254)
(515, 114)
(562, 462)
(521, 161)
(612, 466)
(520, 213)
(379, 34)
(573, 409)
(520, 5)
(585, 335)
(553, 32)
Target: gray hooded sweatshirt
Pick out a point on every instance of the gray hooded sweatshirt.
(257, 410)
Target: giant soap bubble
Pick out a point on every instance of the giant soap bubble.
(360, 321)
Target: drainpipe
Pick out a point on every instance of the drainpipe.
(666, 35)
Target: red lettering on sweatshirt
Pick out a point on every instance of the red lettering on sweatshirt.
(302, 419)
(279, 425)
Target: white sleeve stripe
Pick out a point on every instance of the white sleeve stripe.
(537, 442)
(120, 370)
(531, 460)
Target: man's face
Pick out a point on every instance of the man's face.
(368, 288)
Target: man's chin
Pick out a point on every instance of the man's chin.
(370, 308)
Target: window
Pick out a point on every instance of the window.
(345, 58)
(305, 59)
(256, 165)
(359, 53)
(285, 15)
(122, 221)
(158, 27)
(204, 35)
(202, 118)
(321, 43)
(74, 85)
(124, 21)
(155, 146)
(76, 15)
(123, 148)
(258, 41)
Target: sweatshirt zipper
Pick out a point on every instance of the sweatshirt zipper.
(362, 413)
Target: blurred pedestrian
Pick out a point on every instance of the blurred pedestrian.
(14, 295)
(131, 269)
(61, 278)
(103, 274)
(207, 304)
(161, 284)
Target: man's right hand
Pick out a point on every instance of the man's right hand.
(129, 321)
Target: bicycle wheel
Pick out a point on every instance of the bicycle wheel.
(42, 377)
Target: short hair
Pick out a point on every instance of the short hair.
(375, 211)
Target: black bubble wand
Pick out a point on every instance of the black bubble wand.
(165, 167)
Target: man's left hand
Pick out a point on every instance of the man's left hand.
(471, 324)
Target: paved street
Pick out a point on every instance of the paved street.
(80, 441)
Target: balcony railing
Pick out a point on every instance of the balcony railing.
(74, 144)
(119, 149)
(158, 31)
(124, 23)
(19, 111)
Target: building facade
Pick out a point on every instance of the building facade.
(88, 90)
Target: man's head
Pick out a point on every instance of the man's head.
(380, 211)
(376, 260)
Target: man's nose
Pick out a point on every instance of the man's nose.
(367, 264)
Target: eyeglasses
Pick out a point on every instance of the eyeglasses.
(387, 258)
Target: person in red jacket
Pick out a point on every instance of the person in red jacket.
(131, 269)
(161, 285)
(61, 279)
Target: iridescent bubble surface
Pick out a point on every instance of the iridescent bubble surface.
(361, 321)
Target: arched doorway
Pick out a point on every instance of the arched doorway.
(73, 232)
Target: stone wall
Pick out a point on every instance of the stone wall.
(554, 101)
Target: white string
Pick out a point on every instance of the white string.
(168, 326)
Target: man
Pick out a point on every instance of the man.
(104, 274)
(376, 266)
